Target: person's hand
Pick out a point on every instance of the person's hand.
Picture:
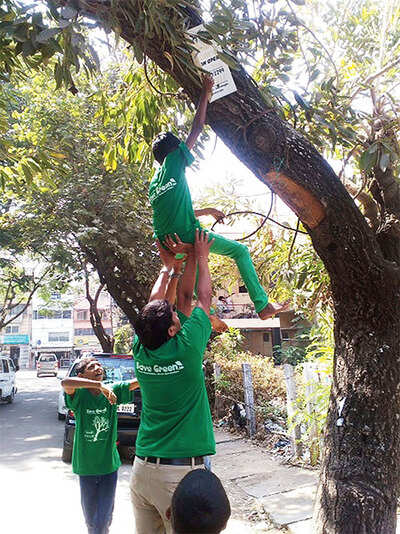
(176, 246)
(166, 256)
(109, 395)
(201, 244)
(217, 214)
(208, 83)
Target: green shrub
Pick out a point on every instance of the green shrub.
(268, 380)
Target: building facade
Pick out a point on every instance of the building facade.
(260, 337)
(15, 338)
(52, 328)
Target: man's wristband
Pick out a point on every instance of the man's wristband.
(164, 270)
(175, 275)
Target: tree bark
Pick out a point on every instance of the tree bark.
(120, 277)
(360, 475)
(106, 341)
(360, 472)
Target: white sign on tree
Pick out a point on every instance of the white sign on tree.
(206, 57)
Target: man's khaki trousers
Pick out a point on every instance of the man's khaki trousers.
(152, 487)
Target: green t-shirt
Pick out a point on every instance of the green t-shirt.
(95, 450)
(170, 197)
(176, 419)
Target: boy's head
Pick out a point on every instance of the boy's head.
(163, 144)
(199, 504)
(90, 368)
(157, 322)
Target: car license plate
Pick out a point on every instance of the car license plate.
(126, 408)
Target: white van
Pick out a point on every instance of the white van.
(8, 388)
(47, 364)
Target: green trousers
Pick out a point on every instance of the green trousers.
(241, 256)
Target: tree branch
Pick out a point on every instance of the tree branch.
(373, 77)
(29, 298)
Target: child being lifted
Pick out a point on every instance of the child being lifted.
(173, 211)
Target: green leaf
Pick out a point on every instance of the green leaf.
(28, 49)
(47, 34)
(384, 161)
(137, 50)
(373, 148)
(367, 160)
(68, 12)
(94, 55)
(229, 60)
(300, 101)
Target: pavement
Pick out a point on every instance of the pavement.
(282, 494)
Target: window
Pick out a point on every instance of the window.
(82, 315)
(266, 337)
(58, 336)
(12, 329)
(17, 309)
(89, 331)
(55, 295)
(242, 289)
(48, 359)
(52, 314)
(84, 332)
(5, 367)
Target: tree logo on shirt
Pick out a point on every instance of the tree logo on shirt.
(100, 424)
(161, 189)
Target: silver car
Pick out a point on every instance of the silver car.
(47, 364)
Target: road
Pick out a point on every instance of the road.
(40, 494)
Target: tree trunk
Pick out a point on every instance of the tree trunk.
(106, 341)
(121, 275)
(360, 476)
(360, 470)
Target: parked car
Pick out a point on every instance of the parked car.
(47, 364)
(8, 389)
(118, 367)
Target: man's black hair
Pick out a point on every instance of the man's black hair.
(163, 144)
(199, 504)
(83, 363)
(153, 322)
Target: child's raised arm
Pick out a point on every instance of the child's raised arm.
(200, 117)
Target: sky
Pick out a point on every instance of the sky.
(219, 167)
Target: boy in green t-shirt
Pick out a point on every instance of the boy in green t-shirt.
(173, 210)
(95, 456)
